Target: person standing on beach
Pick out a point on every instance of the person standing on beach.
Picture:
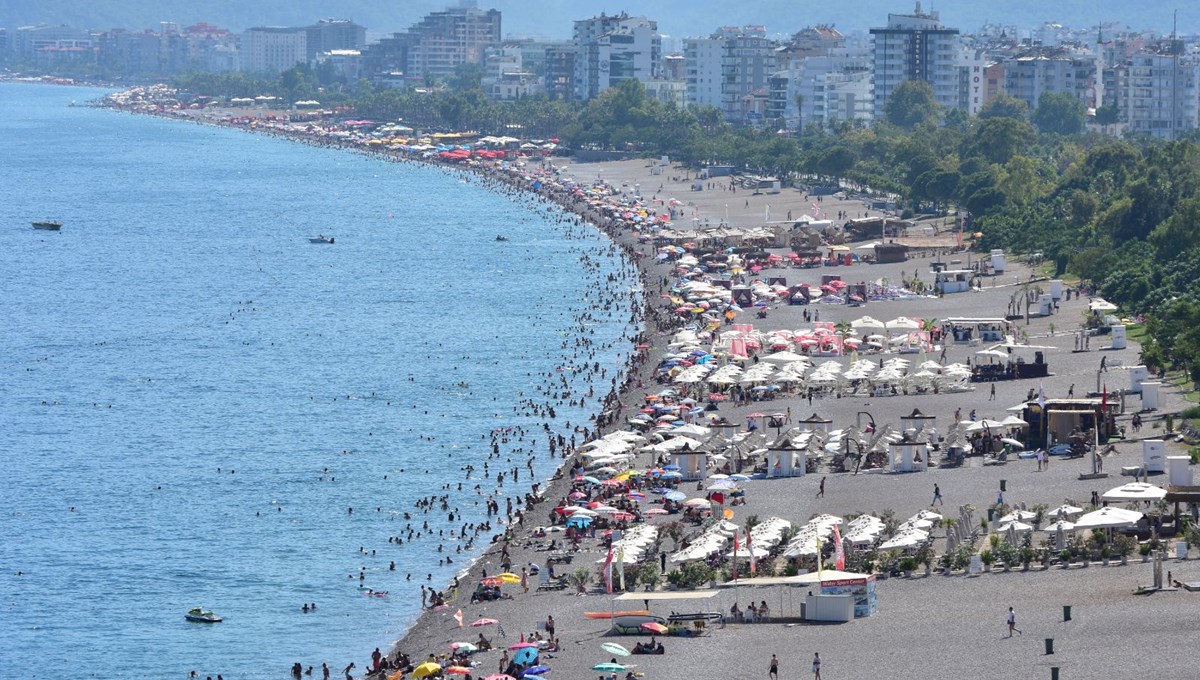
(773, 671)
(816, 666)
(821, 490)
(1012, 623)
(937, 496)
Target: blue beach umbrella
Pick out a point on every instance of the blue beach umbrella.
(537, 670)
(672, 475)
(525, 655)
(739, 478)
(579, 521)
(591, 480)
(675, 496)
(671, 467)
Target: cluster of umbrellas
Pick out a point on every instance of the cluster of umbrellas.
(808, 539)
(632, 546)
(713, 539)
(912, 532)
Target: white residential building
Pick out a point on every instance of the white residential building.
(273, 50)
(916, 47)
(1162, 92)
(610, 49)
(819, 89)
(703, 57)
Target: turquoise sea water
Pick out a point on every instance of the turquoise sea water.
(182, 323)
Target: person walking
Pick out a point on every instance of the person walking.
(1012, 623)
(992, 396)
(821, 489)
(937, 496)
(816, 666)
(773, 672)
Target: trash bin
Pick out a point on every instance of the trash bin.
(1066, 612)
(991, 515)
(1049, 645)
(1004, 485)
(1054, 673)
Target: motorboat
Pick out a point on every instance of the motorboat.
(200, 615)
(501, 238)
(48, 225)
(320, 239)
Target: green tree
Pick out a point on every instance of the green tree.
(1107, 115)
(1004, 106)
(1059, 113)
(836, 161)
(999, 139)
(911, 103)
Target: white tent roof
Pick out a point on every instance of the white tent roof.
(1135, 491)
(1109, 517)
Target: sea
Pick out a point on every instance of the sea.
(201, 408)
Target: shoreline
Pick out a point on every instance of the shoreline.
(636, 369)
(898, 638)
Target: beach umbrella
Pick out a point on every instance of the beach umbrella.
(580, 522)
(1108, 518)
(499, 676)
(656, 511)
(522, 645)
(426, 669)
(1135, 491)
(675, 496)
(697, 502)
(608, 667)
(463, 647)
(458, 670)
(1011, 442)
(615, 648)
(525, 655)
(483, 622)
(509, 577)
(1064, 511)
(537, 670)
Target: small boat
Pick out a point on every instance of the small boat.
(320, 239)
(501, 238)
(199, 615)
(48, 225)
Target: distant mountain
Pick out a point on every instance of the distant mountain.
(552, 18)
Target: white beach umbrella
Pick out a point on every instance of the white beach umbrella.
(1108, 518)
(1135, 491)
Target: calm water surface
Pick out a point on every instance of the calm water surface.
(181, 323)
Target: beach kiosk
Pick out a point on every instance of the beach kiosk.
(972, 331)
(838, 595)
(953, 280)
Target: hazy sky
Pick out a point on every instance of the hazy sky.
(552, 18)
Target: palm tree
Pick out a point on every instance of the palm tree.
(799, 114)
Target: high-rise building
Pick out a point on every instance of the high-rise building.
(273, 49)
(333, 34)
(916, 47)
(438, 44)
(1162, 92)
(730, 69)
(703, 57)
(609, 49)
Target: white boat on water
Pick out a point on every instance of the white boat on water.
(200, 615)
(320, 239)
(48, 225)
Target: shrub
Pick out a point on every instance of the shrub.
(691, 575)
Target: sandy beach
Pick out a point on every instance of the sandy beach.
(926, 626)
